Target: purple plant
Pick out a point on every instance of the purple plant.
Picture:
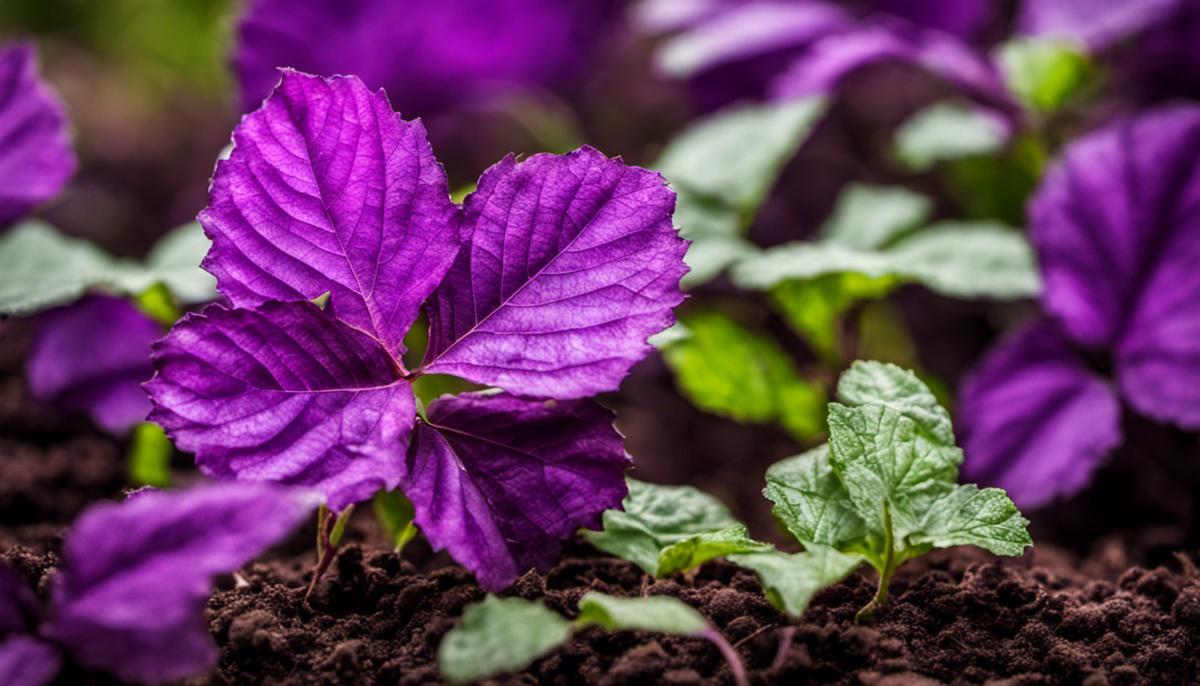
(429, 55)
(1117, 229)
(129, 598)
(546, 284)
(35, 151)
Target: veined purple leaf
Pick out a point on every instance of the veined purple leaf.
(1116, 224)
(27, 661)
(831, 60)
(93, 356)
(284, 393)
(429, 54)
(328, 190)
(500, 481)
(136, 575)
(571, 264)
(1035, 420)
(35, 151)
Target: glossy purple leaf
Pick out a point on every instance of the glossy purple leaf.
(35, 151)
(284, 393)
(428, 54)
(328, 190)
(1116, 224)
(136, 575)
(27, 661)
(1035, 420)
(572, 263)
(93, 356)
(830, 61)
(500, 481)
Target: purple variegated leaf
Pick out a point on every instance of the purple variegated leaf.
(136, 575)
(833, 59)
(35, 151)
(284, 393)
(429, 55)
(1116, 224)
(572, 263)
(500, 481)
(93, 356)
(27, 661)
(328, 190)
(1034, 419)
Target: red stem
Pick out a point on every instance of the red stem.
(328, 552)
(731, 656)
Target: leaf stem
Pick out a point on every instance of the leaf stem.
(731, 656)
(326, 548)
(885, 574)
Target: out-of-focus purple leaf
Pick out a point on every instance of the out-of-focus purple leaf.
(93, 356)
(284, 393)
(18, 605)
(1034, 419)
(428, 54)
(1116, 224)
(572, 263)
(35, 151)
(328, 190)
(500, 481)
(27, 661)
(1095, 23)
(136, 575)
(966, 19)
(824, 67)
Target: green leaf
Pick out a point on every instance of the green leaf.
(662, 614)
(969, 515)
(728, 370)
(791, 581)
(664, 528)
(868, 217)
(149, 456)
(1046, 74)
(395, 515)
(946, 131)
(811, 502)
(869, 382)
(498, 636)
(954, 259)
(813, 308)
(41, 268)
(159, 304)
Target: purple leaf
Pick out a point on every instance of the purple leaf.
(35, 151)
(93, 356)
(833, 59)
(1095, 23)
(329, 190)
(428, 54)
(284, 393)
(18, 605)
(500, 481)
(27, 661)
(966, 19)
(1116, 224)
(571, 264)
(1034, 420)
(136, 575)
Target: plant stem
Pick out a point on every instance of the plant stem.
(731, 656)
(326, 550)
(785, 644)
(885, 574)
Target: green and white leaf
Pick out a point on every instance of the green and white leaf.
(731, 371)
(811, 502)
(969, 515)
(868, 217)
(813, 308)
(662, 614)
(498, 636)
(949, 131)
(664, 527)
(175, 261)
(879, 383)
(1045, 73)
(791, 581)
(716, 235)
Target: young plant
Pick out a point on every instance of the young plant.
(545, 284)
(129, 597)
(883, 491)
(501, 635)
(1121, 284)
